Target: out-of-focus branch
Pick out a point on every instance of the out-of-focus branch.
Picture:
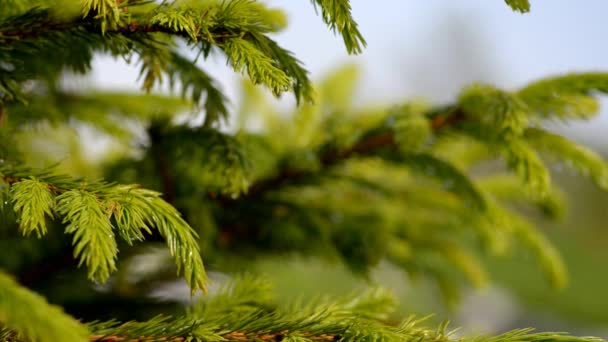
(370, 144)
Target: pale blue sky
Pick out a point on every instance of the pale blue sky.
(432, 48)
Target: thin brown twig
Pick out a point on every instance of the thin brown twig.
(9, 35)
(3, 116)
(370, 144)
(239, 336)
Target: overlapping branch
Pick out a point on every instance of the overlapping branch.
(368, 145)
(94, 212)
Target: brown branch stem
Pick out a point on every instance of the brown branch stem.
(9, 35)
(239, 336)
(368, 145)
(3, 116)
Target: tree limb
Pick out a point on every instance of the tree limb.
(384, 139)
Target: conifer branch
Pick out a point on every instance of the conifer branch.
(198, 84)
(569, 96)
(32, 318)
(105, 111)
(2, 115)
(244, 41)
(587, 162)
(252, 315)
(488, 114)
(93, 210)
(368, 145)
(508, 188)
(521, 6)
(337, 14)
(502, 122)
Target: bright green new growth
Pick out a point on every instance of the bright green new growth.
(337, 14)
(92, 230)
(440, 145)
(363, 186)
(583, 160)
(46, 323)
(245, 310)
(519, 5)
(93, 210)
(33, 201)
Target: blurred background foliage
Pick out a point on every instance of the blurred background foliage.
(457, 43)
(460, 46)
(519, 295)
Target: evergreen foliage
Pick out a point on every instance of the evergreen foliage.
(428, 189)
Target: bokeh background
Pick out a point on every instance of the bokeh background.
(431, 49)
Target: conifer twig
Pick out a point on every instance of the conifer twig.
(2, 116)
(368, 145)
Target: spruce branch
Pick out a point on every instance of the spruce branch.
(290, 65)
(26, 316)
(199, 85)
(587, 162)
(106, 111)
(332, 157)
(107, 10)
(507, 188)
(337, 14)
(220, 165)
(502, 123)
(3, 115)
(569, 96)
(237, 27)
(93, 209)
(501, 113)
(543, 250)
(245, 57)
(521, 6)
(370, 144)
(363, 316)
(526, 163)
(33, 201)
(94, 241)
(453, 179)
